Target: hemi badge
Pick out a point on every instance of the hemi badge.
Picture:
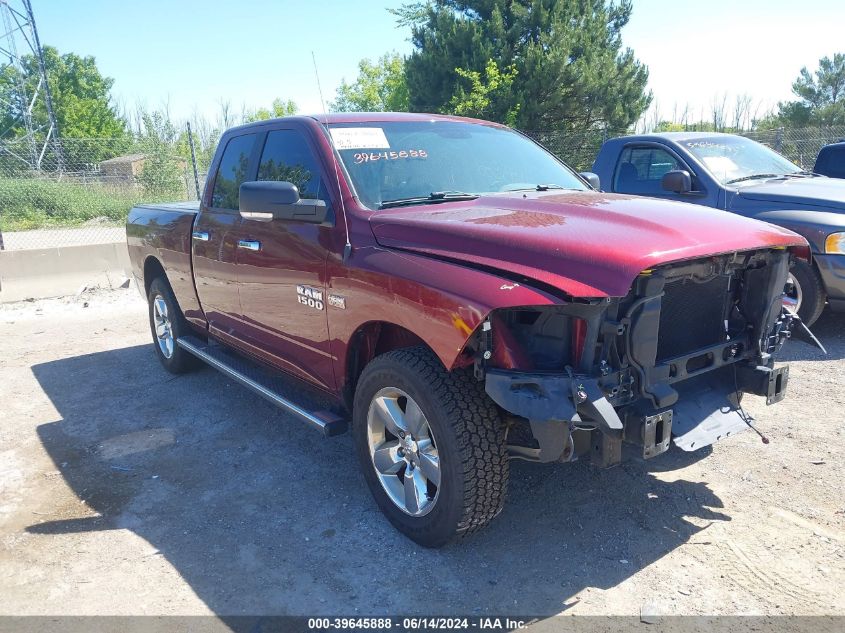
(337, 301)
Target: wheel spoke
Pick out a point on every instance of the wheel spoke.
(386, 458)
(415, 420)
(430, 465)
(161, 325)
(389, 414)
(415, 490)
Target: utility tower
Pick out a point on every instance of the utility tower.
(28, 135)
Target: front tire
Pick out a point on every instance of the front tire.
(804, 292)
(431, 445)
(167, 325)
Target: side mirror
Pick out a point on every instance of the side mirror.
(268, 200)
(592, 179)
(677, 181)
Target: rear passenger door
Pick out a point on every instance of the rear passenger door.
(282, 272)
(215, 236)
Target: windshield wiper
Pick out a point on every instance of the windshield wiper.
(433, 198)
(540, 187)
(803, 172)
(754, 177)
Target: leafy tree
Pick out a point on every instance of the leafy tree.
(485, 93)
(278, 108)
(380, 87)
(163, 172)
(821, 97)
(81, 102)
(570, 70)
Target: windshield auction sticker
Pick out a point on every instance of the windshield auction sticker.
(359, 138)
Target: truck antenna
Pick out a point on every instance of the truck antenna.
(347, 249)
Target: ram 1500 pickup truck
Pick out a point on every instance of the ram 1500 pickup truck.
(458, 297)
(736, 174)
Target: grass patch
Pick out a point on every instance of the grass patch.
(29, 203)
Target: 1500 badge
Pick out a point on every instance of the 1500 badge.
(311, 297)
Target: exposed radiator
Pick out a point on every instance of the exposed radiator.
(692, 316)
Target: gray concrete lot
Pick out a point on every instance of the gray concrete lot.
(125, 490)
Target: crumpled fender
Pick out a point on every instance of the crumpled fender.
(441, 302)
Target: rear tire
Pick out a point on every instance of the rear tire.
(167, 325)
(410, 392)
(805, 289)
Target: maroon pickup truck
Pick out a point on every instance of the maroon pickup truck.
(458, 297)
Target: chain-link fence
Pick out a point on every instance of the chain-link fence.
(577, 148)
(800, 145)
(83, 195)
(81, 192)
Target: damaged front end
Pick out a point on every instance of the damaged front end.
(668, 361)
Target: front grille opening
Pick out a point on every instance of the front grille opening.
(692, 316)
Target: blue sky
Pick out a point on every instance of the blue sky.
(192, 55)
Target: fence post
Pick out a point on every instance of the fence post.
(779, 140)
(194, 160)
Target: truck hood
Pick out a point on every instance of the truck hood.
(587, 244)
(828, 193)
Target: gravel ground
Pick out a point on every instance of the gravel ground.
(125, 490)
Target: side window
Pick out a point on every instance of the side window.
(834, 162)
(640, 170)
(232, 172)
(287, 157)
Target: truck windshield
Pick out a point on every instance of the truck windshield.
(434, 161)
(733, 159)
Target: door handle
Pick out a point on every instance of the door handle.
(202, 236)
(250, 245)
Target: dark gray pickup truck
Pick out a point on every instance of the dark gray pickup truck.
(742, 176)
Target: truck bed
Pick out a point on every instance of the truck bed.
(160, 235)
(192, 206)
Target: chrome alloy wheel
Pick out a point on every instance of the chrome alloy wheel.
(792, 294)
(163, 327)
(403, 451)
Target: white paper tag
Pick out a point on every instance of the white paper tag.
(359, 138)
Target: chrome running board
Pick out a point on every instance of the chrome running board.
(276, 388)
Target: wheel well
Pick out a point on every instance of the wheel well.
(152, 270)
(370, 340)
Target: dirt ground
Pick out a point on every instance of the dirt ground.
(125, 490)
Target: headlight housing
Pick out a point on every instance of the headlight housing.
(835, 244)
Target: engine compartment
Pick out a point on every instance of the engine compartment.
(675, 353)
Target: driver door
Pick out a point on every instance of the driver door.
(282, 268)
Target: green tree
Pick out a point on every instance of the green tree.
(485, 93)
(821, 97)
(277, 109)
(164, 171)
(380, 87)
(570, 70)
(81, 102)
